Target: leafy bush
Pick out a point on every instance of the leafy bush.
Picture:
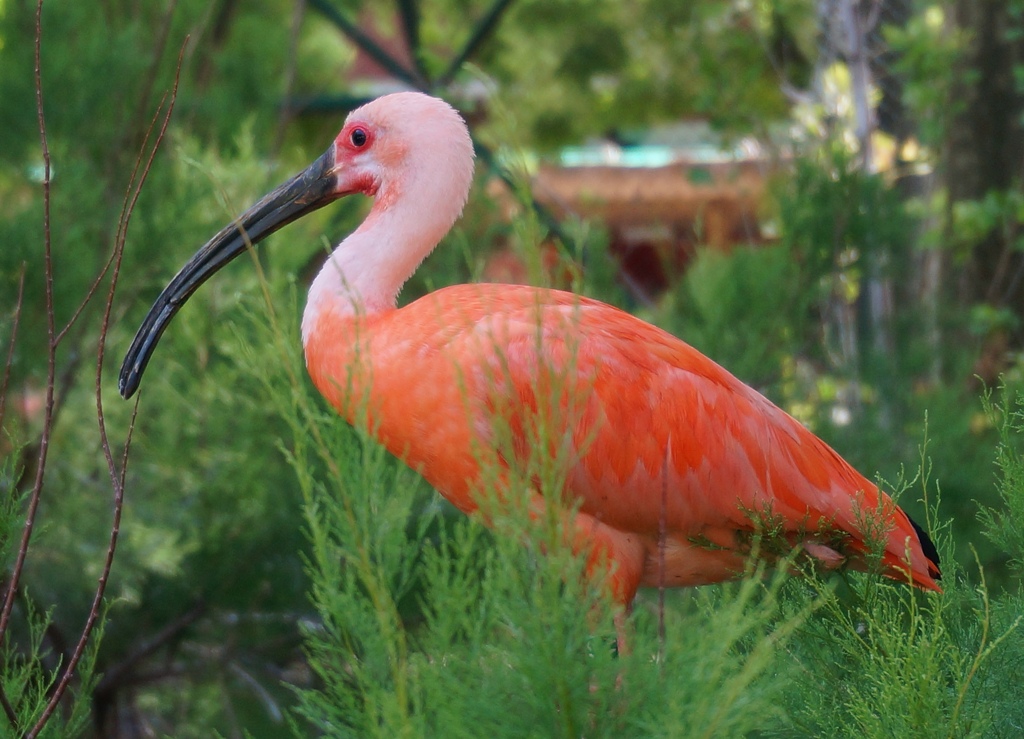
(433, 625)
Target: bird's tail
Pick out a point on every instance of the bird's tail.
(910, 540)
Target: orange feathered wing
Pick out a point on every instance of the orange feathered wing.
(655, 436)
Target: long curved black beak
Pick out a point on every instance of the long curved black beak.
(309, 190)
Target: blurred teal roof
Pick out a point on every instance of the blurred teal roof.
(686, 141)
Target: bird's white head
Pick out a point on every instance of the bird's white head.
(406, 145)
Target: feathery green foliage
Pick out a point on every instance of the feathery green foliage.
(1006, 527)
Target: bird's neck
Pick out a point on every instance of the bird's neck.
(364, 274)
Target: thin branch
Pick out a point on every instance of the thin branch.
(149, 81)
(546, 217)
(51, 355)
(9, 362)
(793, 94)
(143, 98)
(367, 44)
(90, 293)
(115, 676)
(62, 384)
(872, 15)
(262, 694)
(1011, 285)
(481, 33)
(117, 475)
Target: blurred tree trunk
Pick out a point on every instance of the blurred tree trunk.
(852, 29)
(986, 144)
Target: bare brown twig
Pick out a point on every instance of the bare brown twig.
(51, 355)
(117, 469)
(149, 81)
(5, 703)
(117, 473)
(138, 123)
(10, 347)
(114, 677)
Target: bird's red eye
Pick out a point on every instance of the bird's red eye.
(358, 137)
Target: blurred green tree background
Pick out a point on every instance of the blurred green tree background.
(878, 292)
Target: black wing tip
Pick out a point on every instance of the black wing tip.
(928, 547)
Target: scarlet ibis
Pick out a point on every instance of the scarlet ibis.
(667, 454)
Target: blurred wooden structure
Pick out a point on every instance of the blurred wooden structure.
(656, 216)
